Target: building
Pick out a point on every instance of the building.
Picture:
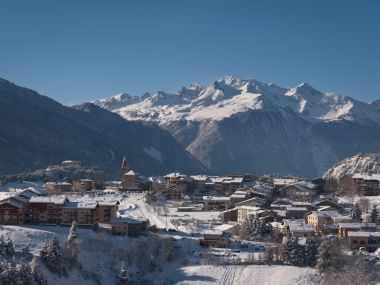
(245, 212)
(301, 191)
(320, 218)
(368, 240)
(131, 181)
(367, 185)
(82, 212)
(106, 211)
(345, 228)
(216, 203)
(330, 202)
(215, 239)
(298, 228)
(82, 185)
(70, 164)
(46, 209)
(230, 215)
(129, 226)
(54, 188)
(177, 186)
(12, 212)
(295, 212)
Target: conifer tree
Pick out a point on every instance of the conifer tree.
(123, 275)
(356, 213)
(374, 215)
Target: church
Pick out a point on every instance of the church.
(130, 179)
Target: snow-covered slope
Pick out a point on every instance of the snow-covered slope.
(360, 163)
(247, 125)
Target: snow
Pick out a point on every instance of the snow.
(251, 274)
(230, 96)
(154, 153)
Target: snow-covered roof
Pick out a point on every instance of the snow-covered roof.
(216, 198)
(59, 200)
(131, 173)
(129, 220)
(363, 234)
(357, 225)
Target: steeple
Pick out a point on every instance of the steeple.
(124, 167)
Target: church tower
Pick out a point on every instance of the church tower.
(124, 168)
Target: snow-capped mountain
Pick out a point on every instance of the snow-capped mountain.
(360, 163)
(120, 100)
(247, 125)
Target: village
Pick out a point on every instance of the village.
(235, 219)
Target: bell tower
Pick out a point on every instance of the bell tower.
(124, 167)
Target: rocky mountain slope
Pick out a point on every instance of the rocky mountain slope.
(247, 125)
(359, 163)
(36, 131)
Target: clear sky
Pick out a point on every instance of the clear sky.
(81, 50)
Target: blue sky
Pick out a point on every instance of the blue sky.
(76, 51)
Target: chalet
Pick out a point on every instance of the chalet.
(295, 212)
(244, 212)
(298, 228)
(345, 228)
(129, 226)
(216, 203)
(177, 186)
(215, 239)
(369, 240)
(329, 204)
(302, 191)
(253, 202)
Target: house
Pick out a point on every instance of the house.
(82, 185)
(131, 181)
(238, 196)
(320, 218)
(367, 184)
(215, 239)
(230, 215)
(129, 226)
(177, 186)
(57, 187)
(302, 191)
(216, 203)
(329, 203)
(200, 181)
(254, 202)
(295, 212)
(369, 240)
(298, 228)
(344, 228)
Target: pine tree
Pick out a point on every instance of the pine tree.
(72, 245)
(9, 247)
(268, 256)
(51, 255)
(356, 213)
(374, 214)
(26, 255)
(25, 273)
(123, 275)
(311, 251)
(328, 258)
(2, 246)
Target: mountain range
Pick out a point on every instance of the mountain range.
(250, 126)
(36, 131)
